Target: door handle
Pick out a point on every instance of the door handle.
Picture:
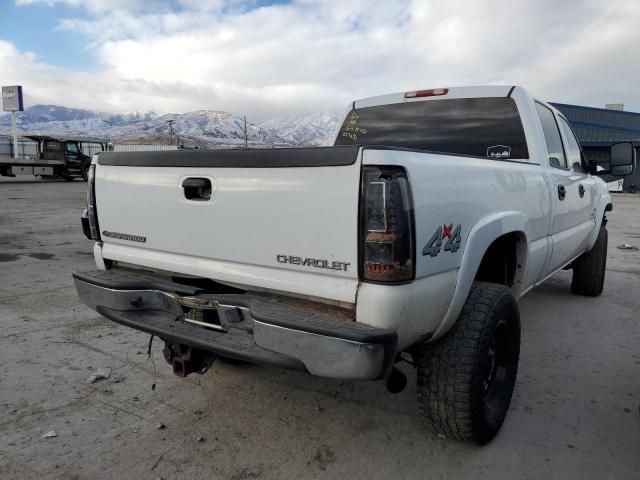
(562, 192)
(581, 190)
(198, 189)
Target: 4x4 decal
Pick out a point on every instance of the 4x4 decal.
(434, 244)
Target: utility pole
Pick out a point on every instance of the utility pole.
(170, 122)
(245, 131)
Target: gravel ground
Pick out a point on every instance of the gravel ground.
(574, 413)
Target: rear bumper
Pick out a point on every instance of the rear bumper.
(255, 327)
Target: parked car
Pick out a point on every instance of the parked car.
(412, 237)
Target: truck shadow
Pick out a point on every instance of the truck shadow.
(11, 180)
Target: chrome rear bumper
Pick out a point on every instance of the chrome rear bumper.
(254, 327)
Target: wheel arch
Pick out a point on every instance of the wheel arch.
(504, 233)
(603, 206)
(504, 260)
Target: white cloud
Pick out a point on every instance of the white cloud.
(318, 55)
(97, 5)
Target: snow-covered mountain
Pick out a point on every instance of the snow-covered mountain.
(202, 127)
(311, 129)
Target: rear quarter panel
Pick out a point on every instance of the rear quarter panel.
(487, 198)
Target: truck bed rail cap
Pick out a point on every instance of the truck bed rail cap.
(236, 158)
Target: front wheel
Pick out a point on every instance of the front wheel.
(466, 378)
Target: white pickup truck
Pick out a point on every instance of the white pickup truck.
(412, 236)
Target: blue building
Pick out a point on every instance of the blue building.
(598, 128)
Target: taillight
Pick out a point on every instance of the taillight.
(435, 92)
(92, 211)
(387, 237)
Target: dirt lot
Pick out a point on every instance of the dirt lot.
(574, 413)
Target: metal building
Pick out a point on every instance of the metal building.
(598, 128)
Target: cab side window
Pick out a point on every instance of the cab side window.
(72, 148)
(573, 148)
(552, 137)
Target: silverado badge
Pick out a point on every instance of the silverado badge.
(124, 236)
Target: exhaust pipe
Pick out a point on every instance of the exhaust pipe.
(396, 381)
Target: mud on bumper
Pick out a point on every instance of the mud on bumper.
(251, 326)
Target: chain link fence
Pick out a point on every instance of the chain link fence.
(26, 148)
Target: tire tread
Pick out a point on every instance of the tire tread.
(589, 269)
(446, 366)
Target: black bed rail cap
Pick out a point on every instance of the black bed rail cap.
(236, 158)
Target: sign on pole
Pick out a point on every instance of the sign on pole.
(12, 99)
(12, 102)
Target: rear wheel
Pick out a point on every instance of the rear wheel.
(589, 268)
(466, 378)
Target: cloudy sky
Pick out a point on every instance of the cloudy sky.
(267, 58)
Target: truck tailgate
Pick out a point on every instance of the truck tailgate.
(280, 219)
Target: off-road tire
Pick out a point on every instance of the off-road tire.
(589, 268)
(462, 393)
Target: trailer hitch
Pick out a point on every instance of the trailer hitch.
(186, 360)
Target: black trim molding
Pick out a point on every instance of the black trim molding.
(236, 158)
(336, 156)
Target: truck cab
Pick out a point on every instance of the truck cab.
(68, 151)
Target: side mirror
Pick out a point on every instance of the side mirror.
(623, 158)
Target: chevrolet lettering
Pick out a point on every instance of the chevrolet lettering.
(313, 262)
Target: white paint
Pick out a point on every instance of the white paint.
(616, 185)
(488, 198)
(257, 214)
(261, 213)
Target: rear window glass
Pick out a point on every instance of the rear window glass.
(52, 146)
(482, 127)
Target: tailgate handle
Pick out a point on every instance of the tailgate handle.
(197, 189)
